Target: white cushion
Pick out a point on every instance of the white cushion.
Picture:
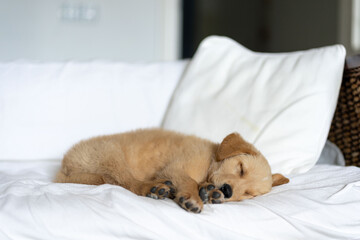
(47, 107)
(281, 102)
(331, 155)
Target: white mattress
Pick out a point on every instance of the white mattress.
(323, 203)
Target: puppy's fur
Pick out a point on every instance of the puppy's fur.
(159, 163)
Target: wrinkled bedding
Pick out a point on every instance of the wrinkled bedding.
(323, 203)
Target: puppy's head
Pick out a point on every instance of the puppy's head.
(242, 172)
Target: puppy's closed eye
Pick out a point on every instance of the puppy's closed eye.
(241, 170)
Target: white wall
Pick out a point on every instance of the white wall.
(124, 30)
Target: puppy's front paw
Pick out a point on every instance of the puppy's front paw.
(189, 202)
(161, 190)
(209, 194)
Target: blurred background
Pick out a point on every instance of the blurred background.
(165, 30)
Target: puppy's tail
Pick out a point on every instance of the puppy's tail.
(61, 177)
(78, 177)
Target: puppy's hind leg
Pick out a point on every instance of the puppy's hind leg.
(157, 189)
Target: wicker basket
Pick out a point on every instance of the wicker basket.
(345, 127)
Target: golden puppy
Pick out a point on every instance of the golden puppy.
(159, 163)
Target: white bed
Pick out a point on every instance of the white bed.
(47, 107)
(321, 204)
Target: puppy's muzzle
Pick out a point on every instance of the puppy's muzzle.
(226, 190)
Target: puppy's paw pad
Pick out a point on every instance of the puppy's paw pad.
(189, 204)
(205, 191)
(216, 196)
(203, 194)
(209, 194)
(160, 191)
(172, 192)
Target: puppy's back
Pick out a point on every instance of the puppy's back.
(145, 152)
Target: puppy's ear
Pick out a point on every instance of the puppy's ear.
(232, 145)
(279, 179)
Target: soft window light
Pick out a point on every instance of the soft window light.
(355, 36)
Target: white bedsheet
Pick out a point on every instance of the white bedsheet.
(323, 203)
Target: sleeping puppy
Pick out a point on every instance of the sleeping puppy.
(157, 163)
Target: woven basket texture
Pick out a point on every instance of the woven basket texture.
(345, 127)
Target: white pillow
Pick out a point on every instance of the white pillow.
(47, 107)
(282, 102)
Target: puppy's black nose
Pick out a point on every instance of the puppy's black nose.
(226, 190)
